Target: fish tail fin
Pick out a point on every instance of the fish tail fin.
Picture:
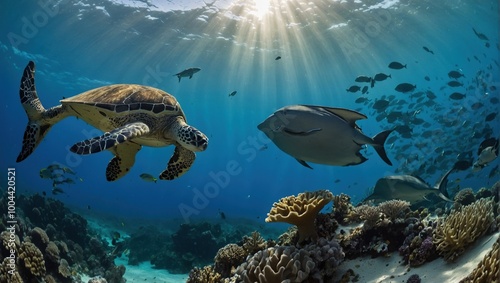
(39, 120)
(405, 66)
(443, 183)
(379, 140)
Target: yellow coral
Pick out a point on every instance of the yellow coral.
(203, 275)
(254, 243)
(300, 211)
(32, 258)
(462, 227)
(488, 270)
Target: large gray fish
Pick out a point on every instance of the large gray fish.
(411, 188)
(187, 73)
(321, 135)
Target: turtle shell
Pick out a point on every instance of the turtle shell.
(125, 99)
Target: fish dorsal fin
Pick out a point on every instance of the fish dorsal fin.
(348, 115)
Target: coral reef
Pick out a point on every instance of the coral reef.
(465, 197)
(394, 209)
(342, 207)
(462, 227)
(229, 257)
(32, 259)
(73, 249)
(488, 270)
(414, 278)
(315, 262)
(275, 265)
(254, 243)
(204, 275)
(300, 211)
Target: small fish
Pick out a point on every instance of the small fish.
(44, 193)
(396, 66)
(88, 207)
(222, 215)
(353, 89)
(277, 58)
(337, 181)
(69, 181)
(405, 87)
(381, 77)
(457, 96)
(57, 190)
(45, 173)
(455, 74)
(264, 147)
(427, 78)
(233, 93)
(490, 117)
(428, 50)
(188, 73)
(480, 35)
(364, 90)
(148, 177)
(363, 79)
(455, 83)
(68, 170)
(54, 167)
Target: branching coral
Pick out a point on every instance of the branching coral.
(488, 270)
(370, 214)
(462, 227)
(254, 243)
(229, 257)
(342, 207)
(394, 209)
(203, 275)
(300, 211)
(32, 258)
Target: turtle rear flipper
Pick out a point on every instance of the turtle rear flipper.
(40, 120)
(179, 163)
(110, 139)
(124, 159)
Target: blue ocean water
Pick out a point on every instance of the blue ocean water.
(323, 45)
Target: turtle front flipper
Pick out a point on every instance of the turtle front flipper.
(124, 159)
(110, 139)
(179, 163)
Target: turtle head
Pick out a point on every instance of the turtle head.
(189, 137)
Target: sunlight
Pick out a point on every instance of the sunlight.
(262, 6)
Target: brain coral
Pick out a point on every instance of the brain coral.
(301, 211)
(32, 258)
(488, 270)
(462, 227)
(228, 257)
(276, 265)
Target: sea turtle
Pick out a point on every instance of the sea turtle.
(130, 115)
